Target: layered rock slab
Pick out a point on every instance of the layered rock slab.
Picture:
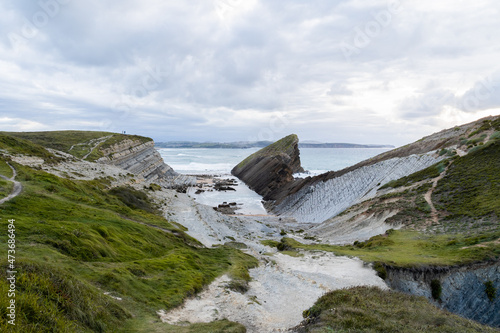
(144, 161)
(271, 168)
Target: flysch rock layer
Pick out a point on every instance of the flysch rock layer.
(271, 168)
(325, 199)
(142, 160)
(463, 289)
(316, 199)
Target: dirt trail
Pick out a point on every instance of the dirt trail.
(17, 186)
(428, 198)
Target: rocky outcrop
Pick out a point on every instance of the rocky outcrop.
(142, 160)
(320, 198)
(463, 289)
(271, 168)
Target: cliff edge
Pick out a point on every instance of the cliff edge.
(143, 160)
(271, 168)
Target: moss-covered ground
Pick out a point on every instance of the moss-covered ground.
(76, 240)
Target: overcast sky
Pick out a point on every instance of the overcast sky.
(355, 71)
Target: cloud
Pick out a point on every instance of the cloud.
(224, 69)
(485, 94)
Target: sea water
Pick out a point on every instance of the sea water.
(219, 162)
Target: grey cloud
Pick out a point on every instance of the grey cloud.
(173, 66)
(428, 104)
(485, 94)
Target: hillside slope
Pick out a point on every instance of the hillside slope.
(316, 199)
(93, 257)
(133, 153)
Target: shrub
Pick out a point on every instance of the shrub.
(132, 198)
(490, 290)
(436, 289)
(380, 269)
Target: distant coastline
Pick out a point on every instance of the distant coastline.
(259, 144)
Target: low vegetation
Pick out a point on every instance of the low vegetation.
(14, 145)
(77, 143)
(277, 147)
(5, 188)
(411, 248)
(77, 240)
(369, 309)
(428, 173)
(470, 190)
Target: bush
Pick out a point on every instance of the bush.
(490, 290)
(380, 269)
(133, 199)
(436, 289)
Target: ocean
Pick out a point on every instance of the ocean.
(219, 162)
(212, 161)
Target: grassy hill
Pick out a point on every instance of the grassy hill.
(91, 258)
(77, 143)
(76, 240)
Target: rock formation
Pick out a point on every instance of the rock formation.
(271, 168)
(142, 160)
(463, 289)
(319, 199)
(269, 172)
(316, 199)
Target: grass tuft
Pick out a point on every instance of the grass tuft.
(370, 309)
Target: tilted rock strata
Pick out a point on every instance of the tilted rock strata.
(271, 168)
(321, 199)
(142, 160)
(463, 288)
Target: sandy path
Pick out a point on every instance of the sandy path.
(17, 186)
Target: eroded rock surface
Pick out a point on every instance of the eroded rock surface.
(463, 289)
(271, 168)
(142, 160)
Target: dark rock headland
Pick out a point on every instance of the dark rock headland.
(271, 168)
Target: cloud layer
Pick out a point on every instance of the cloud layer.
(228, 70)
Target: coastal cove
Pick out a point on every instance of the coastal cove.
(111, 223)
(219, 162)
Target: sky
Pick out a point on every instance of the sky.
(373, 72)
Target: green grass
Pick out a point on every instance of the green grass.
(49, 300)
(428, 173)
(79, 140)
(369, 309)
(5, 188)
(471, 187)
(277, 147)
(410, 249)
(15, 145)
(90, 237)
(5, 170)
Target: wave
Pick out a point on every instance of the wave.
(309, 173)
(203, 168)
